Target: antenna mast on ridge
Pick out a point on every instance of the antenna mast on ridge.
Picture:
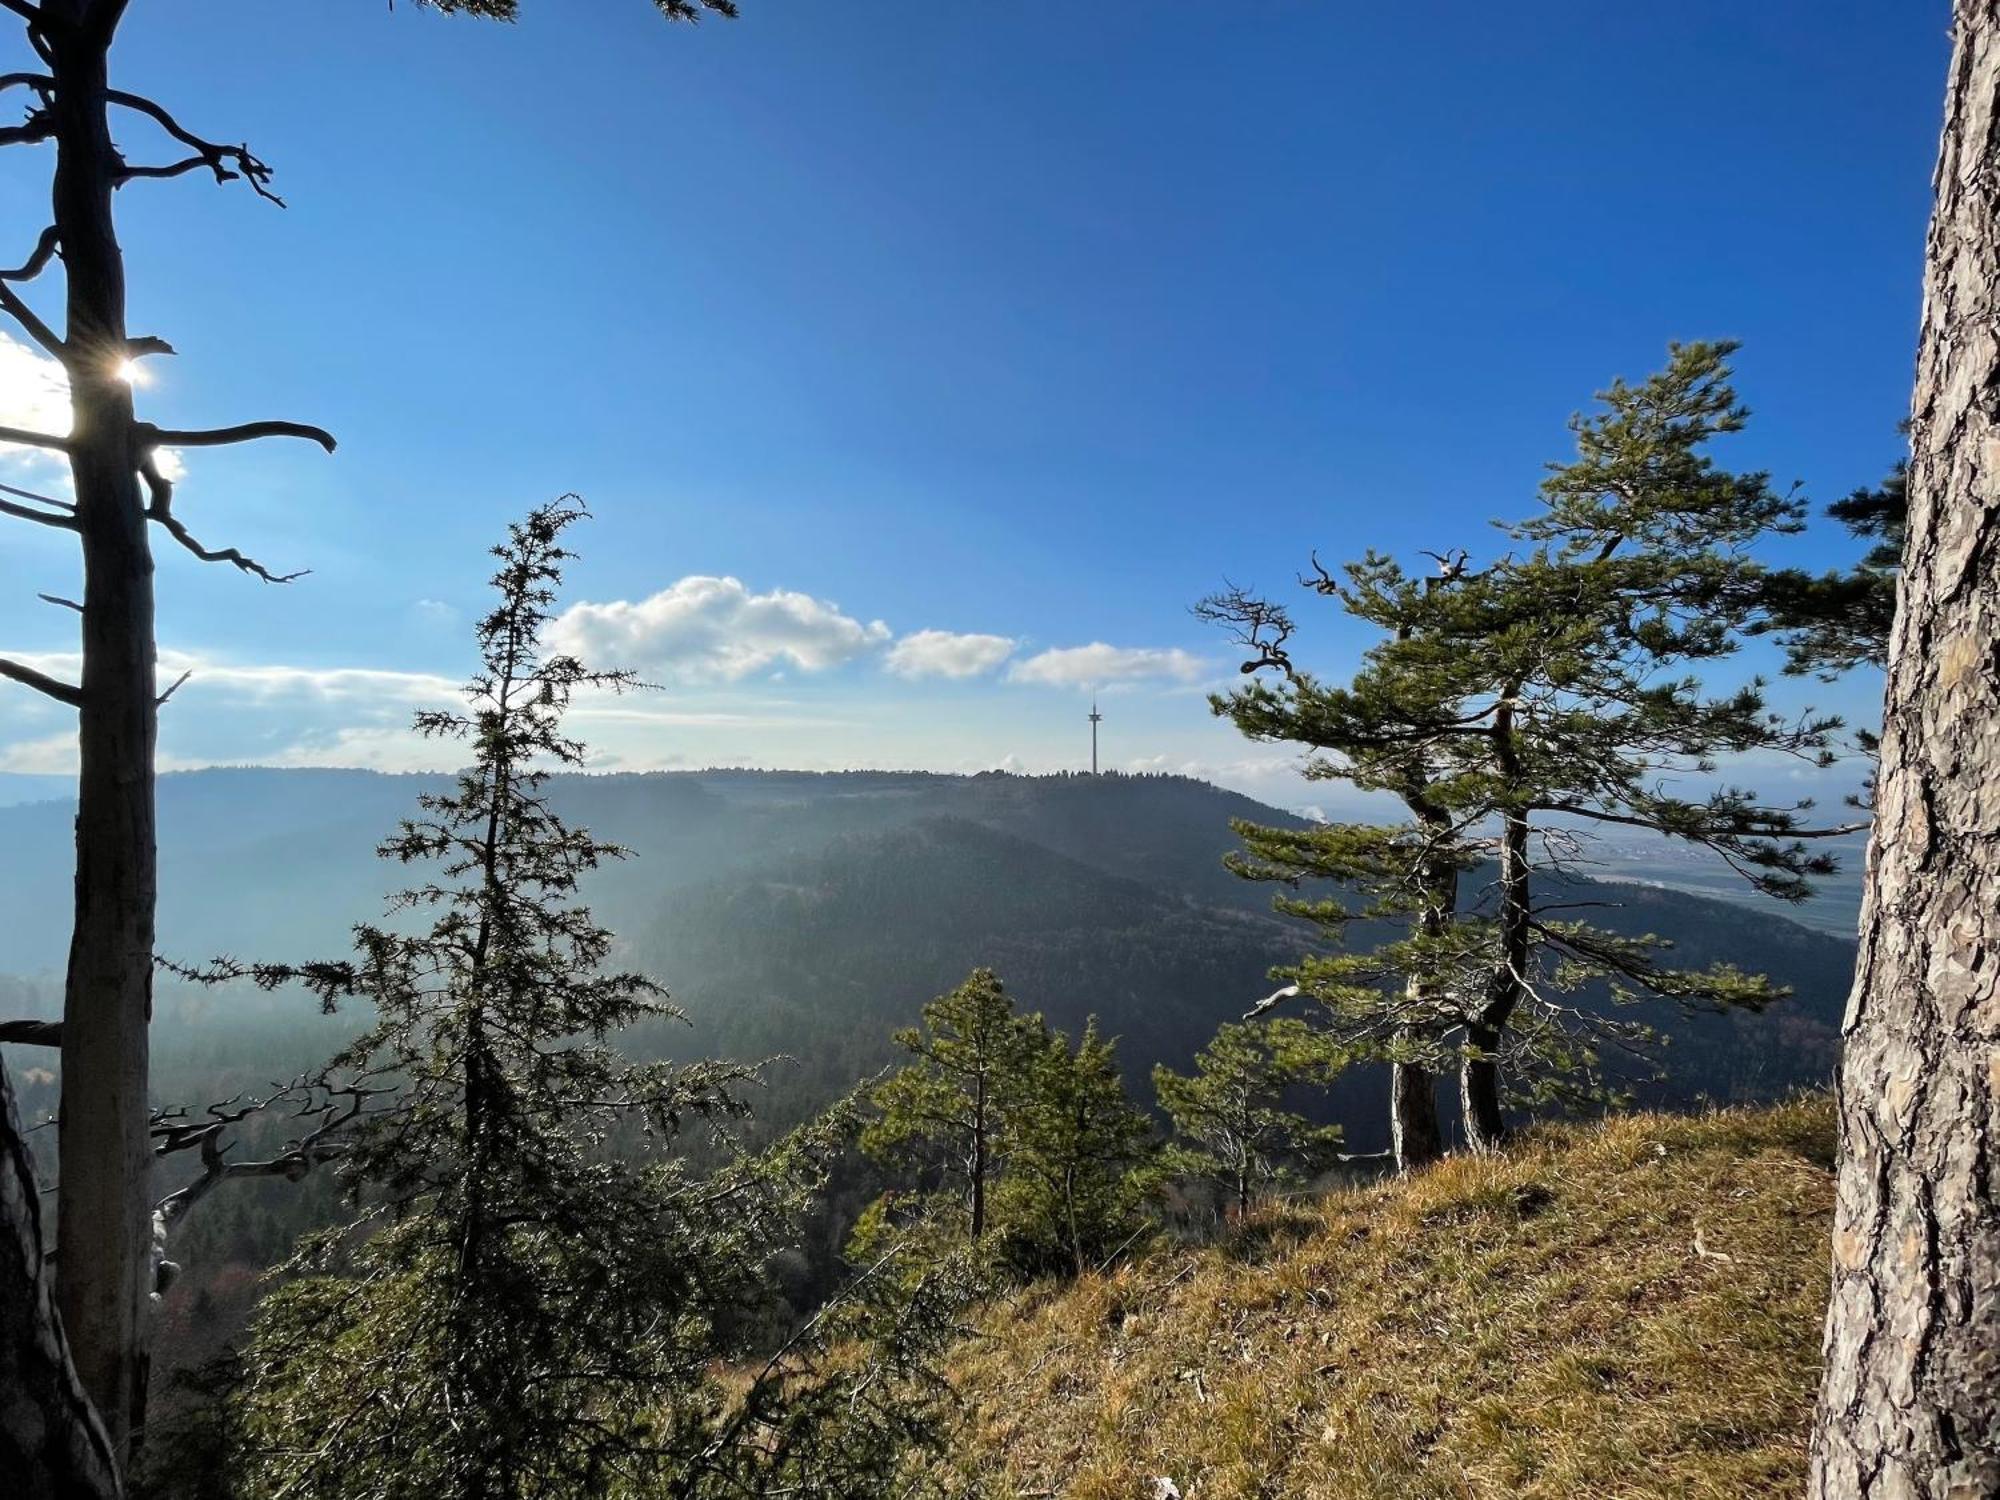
(1096, 718)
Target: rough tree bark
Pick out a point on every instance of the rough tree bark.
(1910, 1405)
(52, 1446)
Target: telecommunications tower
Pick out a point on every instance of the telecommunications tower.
(1096, 718)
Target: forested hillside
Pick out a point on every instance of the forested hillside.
(811, 915)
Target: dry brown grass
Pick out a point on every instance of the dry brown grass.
(1611, 1311)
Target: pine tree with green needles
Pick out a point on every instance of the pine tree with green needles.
(1231, 1124)
(540, 1291)
(946, 1112)
(1076, 1154)
(1835, 622)
(1518, 710)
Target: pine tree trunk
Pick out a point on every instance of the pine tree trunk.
(1414, 1133)
(979, 1159)
(1479, 1072)
(1910, 1406)
(52, 1446)
(103, 1214)
(1413, 1117)
(1479, 1093)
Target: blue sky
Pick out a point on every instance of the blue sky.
(857, 321)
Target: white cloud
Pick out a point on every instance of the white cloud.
(264, 683)
(943, 653)
(34, 393)
(51, 755)
(705, 627)
(1099, 665)
(374, 748)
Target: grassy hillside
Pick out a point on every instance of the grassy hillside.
(1623, 1310)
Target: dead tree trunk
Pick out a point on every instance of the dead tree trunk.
(52, 1446)
(104, 1225)
(104, 1213)
(1910, 1406)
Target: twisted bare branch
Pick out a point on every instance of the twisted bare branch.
(334, 1108)
(161, 509)
(38, 258)
(228, 163)
(243, 432)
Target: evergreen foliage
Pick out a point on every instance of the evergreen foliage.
(540, 1292)
(946, 1112)
(1513, 710)
(1022, 1147)
(1077, 1152)
(1231, 1126)
(1832, 623)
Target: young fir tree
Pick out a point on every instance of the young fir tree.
(538, 1295)
(1076, 1153)
(945, 1112)
(1542, 697)
(1231, 1126)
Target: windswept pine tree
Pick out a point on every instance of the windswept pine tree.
(1231, 1124)
(1515, 710)
(539, 1290)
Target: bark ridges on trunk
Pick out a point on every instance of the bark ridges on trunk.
(1910, 1407)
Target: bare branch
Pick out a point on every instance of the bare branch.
(38, 497)
(32, 1033)
(243, 432)
(227, 162)
(27, 439)
(57, 599)
(41, 682)
(340, 1108)
(38, 258)
(160, 702)
(29, 319)
(66, 521)
(162, 510)
(22, 512)
(37, 127)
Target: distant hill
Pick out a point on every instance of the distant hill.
(810, 914)
(1627, 1309)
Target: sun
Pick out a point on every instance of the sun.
(131, 372)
